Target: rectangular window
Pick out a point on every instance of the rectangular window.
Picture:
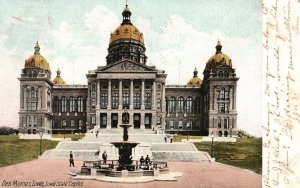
(72, 122)
(158, 105)
(93, 120)
(93, 102)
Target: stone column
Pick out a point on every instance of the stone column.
(25, 97)
(98, 95)
(119, 118)
(131, 118)
(234, 97)
(215, 103)
(40, 96)
(108, 126)
(142, 120)
(120, 95)
(109, 95)
(153, 95)
(22, 97)
(98, 104)
(44, 101)
(143, 96)
(131, 94)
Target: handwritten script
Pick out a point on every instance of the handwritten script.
(281, 30)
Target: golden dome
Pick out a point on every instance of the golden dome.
(218, 59)
(126, 31)
(58, 80)
(37, 60)
(195, 81)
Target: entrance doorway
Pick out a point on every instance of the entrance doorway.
(148, 118)
(137, 121)
(114, 120)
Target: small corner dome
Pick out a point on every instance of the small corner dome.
(195, 81)
(58, 80)
(37, 60)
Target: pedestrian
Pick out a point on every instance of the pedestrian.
(71, 159)
(104, 157)
(96, 134)
(142, 160)
(171, 139)
(147, 159)
(165, 139)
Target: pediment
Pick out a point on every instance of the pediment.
(126, 66)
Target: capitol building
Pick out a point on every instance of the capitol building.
(127, 83)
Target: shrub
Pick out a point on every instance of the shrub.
(244, 134)
(8, 130)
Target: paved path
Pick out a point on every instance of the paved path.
(195, 175)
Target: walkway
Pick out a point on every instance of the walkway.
(195, 175)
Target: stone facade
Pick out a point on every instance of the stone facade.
(128, 83)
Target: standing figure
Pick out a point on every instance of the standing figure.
(142, 160)
(104, 157)
(96, 134)
(71, 159)
(147, 160)
(165, 139)
(171, 139)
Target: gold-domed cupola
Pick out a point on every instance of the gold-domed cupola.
(58, 80)
(219, 65)
(195, 81)
(218, 59)
(37, 60)
(126, 42)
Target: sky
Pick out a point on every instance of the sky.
(179, 36)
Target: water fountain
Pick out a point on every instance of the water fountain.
(125, 147)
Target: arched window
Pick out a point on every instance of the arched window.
(189, 105)
(136, 101)
(80, 104)
(172, 105)
(72, 104)
(93, 87)
(29, 121)
(33, 93)
(222, 94)
(158, 105)
(115, 100)
(104, 100)
(189, 124)
(34, 121)
(226, 74)
(220, 74)
(158, 120)
(63, 104)
(147, 100)
(126, 100)
(63, 123)
(197, 106)
(171, 124)
(225, 123)
(80, 124)
(180, 105)
(180, 124)
(93, 120)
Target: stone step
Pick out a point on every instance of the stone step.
(173, 147)
(183, 156)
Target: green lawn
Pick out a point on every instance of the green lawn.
(13, 150)
(74, 137)
(245, 153)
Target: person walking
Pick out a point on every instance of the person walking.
(71, 159)
(104, 157)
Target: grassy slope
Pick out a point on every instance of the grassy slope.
(13, 150)
(245, 153)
